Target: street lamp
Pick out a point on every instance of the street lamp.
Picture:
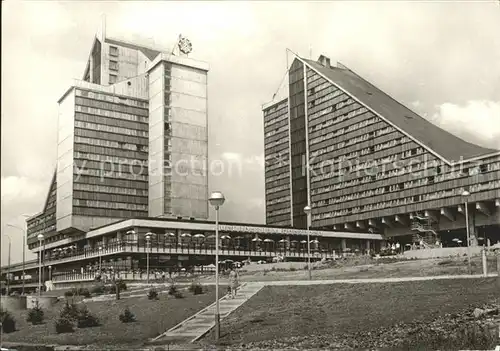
(217, 200)
(307, 211)
(465, 195)
(24, 250)
(40, 238)
(148, 245)
(8, 265)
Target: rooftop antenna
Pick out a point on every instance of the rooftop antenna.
(103, 26)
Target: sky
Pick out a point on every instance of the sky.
(442, 59)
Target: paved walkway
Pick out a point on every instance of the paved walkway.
(195, 327)
(198, 325)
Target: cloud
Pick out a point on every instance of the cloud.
(476, 121)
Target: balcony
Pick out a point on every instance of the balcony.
(187, 249)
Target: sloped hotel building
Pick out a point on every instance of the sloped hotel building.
(131, 160)
(365, 162)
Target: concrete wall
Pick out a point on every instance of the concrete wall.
(45, 302)
(156, 142)
(65, 162)
(189, 142)
(13, 303)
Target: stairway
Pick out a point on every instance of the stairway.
(202, 322)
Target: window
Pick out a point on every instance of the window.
(113, 65)
(112, 78)
(113, 51)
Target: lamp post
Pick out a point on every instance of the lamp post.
(307, 211)
(40, 238)
(148, 245)
(217, 200)
(24, 252)
(465, 195)
(100, 258)
(8, 265)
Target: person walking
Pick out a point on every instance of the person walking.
(233, 282)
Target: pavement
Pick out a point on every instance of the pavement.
(197, 326)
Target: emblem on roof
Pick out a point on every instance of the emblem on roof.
(184, 45)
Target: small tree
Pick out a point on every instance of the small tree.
(172, 289)
(152, 294)
(98, 289)
(8, 323)
(84, 292)
(196, 288)
(64, 325)
(69, 311)
(85, 319)
(127, 316)
(35, 315)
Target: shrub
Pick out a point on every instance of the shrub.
(122, 285)
(84, 292)
(69, 311)
(85, 319)
(70, 293)
(178, 295)
(64, 325)
(98, 289)
(152, 294)
(8, 322)
(111, 289)
(35, 315)
(196, 288)
(127, 316)
(445, 262)
(293, 269)
(172, 289)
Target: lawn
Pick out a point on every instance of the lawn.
(153, 318)
(365, 267)
(279, 315)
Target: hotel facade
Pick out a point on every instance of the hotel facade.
(364, 162)
(130, 190)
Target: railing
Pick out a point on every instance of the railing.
(124, 275)
(183, 249)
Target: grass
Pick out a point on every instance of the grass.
(288, 312)
(153, 318)
(364, 268)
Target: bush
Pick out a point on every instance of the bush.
(111, 289)
(445, 262)
(127, 316)
(172, 289)
(8, 322)
(64, 325)
(293, 269)
(85, 319)
(98, 289)
(35, 315)
(196, 288)
(70, 293)
(84, 292)
(178, 295)
(152, 294)
(69, 312)
(122, 285)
